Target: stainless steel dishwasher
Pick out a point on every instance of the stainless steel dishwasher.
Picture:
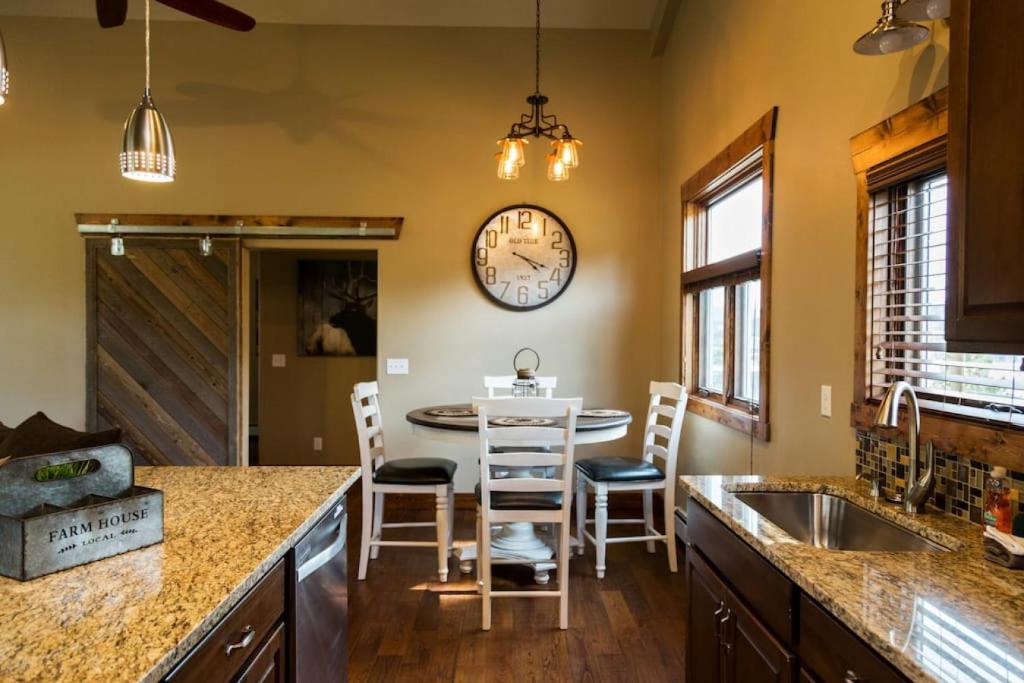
(319, 601)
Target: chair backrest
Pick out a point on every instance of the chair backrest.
(518, 445)
(661, 440)
(503, 383)
(369, 428)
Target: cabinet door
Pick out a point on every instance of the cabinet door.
(753, 653)
(985, 283)
(706, 607)
(268, 664)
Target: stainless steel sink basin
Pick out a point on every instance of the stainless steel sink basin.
(827, 521)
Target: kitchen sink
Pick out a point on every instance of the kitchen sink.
(827, 521)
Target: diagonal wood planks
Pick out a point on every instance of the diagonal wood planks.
(163, 348)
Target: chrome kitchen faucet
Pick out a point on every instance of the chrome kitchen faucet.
(917, 490)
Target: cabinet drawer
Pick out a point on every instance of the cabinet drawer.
(764, 588)
(835, 653)
(242, 630)
(268, 665)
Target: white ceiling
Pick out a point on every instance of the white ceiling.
(594, 14)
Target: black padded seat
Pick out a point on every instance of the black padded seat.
(415, 471)
(523, 500)
(614, 468)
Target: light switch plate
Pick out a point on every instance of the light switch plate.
(318, 443)
(826, 400)
(278, 360)
(398, 366)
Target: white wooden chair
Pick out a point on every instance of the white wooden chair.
(503, 384)
(525, 499)
(406, 475)
(612, 473)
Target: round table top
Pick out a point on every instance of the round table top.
(422, 418)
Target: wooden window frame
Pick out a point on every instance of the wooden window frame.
(749, 156)
(906, 145)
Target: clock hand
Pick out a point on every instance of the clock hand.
(530, 262)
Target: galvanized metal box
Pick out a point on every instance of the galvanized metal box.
(50, 525)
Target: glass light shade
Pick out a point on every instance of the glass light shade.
(508, 169)
(923, 10)
(567, 149)
(148, 150)
(206, 246)
(5, 78)
(557, 170)
(890, 34)
(513, 150)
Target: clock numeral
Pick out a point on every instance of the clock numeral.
(525, 217)
(492, 239)
(504, 225)
(556, 276)
(505, 290)
(490, 275)
(544, 227)
(557, 244)
(542, 288)
(523, 295)
(481, 256)
(564, 260)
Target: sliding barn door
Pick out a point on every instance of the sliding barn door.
(163, 348)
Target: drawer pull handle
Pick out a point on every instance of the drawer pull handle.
(245, 642)
(852, 677)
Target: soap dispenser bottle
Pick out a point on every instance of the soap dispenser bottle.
(997, 501)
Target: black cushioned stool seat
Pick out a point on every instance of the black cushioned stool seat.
(523, 500)
(615, 468)
(413, 471)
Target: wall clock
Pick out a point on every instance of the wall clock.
(523, 257)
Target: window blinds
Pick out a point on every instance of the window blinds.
(906, 309)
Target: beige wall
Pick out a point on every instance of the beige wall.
(349, 121)
(309, 396)
(729, 61)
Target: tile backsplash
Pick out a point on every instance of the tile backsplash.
(959, 481)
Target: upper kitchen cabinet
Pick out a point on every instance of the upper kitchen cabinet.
(985, 294)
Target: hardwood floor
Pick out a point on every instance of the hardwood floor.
(406, 626)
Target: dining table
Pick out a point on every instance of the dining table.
(512, 541)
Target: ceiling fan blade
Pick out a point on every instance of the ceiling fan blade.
(213, 12)
(111, 13)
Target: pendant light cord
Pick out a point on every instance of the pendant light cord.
(147, 46)
(538, 90)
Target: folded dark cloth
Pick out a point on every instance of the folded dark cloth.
(39, 434)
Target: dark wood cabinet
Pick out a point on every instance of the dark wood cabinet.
(747, 622)
(985, 282)
(268, 665)
(725, 641)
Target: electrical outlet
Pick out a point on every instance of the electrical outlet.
(318, 443)
(398, 366)
(278, 360)
(826, 400)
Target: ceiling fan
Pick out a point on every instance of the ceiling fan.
(112, 13)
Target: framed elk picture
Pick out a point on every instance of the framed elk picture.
(338, 308)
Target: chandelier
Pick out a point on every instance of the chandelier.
(565, 148)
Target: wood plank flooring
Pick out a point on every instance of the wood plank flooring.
(404, 625)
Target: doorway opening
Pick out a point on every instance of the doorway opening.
(312, 333)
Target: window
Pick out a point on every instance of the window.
(726, 244)
(907, 289)
(971, 403)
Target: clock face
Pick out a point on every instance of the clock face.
(524, 257)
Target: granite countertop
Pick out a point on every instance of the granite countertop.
(935, 616)
(133, 616)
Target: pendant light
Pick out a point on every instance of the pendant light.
(5, 79)
(890, 34)
(512, 154)
(147, 153)
(923, 10)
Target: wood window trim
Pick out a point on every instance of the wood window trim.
(750, 155)
(908, 144)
